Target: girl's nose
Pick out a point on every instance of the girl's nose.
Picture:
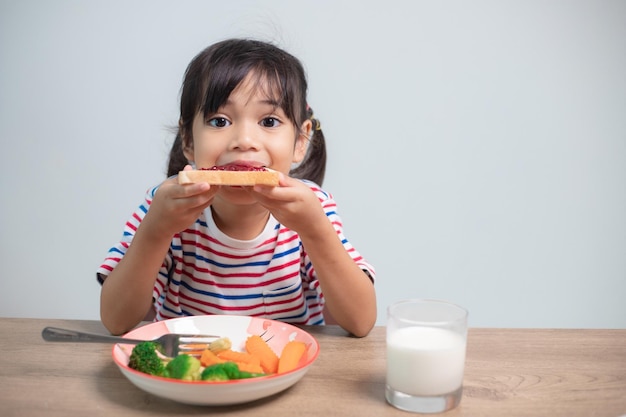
(244, 138)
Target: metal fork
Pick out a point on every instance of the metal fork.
(171, 344)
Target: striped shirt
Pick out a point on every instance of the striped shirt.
(208, 272)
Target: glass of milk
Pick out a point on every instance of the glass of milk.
(426, 341)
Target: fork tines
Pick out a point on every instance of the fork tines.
(199, 338)
(195, 344)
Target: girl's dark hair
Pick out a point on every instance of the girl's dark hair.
(215, 72)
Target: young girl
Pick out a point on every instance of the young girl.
(275, 252)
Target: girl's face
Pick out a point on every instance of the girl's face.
(249, 129)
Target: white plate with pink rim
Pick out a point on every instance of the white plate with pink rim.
(237, 329)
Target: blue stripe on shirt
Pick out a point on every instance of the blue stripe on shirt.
(221, 296)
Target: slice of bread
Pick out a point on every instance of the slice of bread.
(225, 177)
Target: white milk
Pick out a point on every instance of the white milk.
(425, 361)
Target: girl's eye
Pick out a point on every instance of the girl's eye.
(270, 122)
(218, 122)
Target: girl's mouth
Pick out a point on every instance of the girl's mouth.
(237, 166)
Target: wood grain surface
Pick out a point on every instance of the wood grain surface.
(509, 373)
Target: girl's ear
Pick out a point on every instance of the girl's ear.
(187, 144)
(302, 141)
(188, 152)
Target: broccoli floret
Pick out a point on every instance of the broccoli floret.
(225, 372)
(231, 369)
(144, 358)
(244, 375)
(216, 372)
(184, 367)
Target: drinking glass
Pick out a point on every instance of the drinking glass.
(426, 343)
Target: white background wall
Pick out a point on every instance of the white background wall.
(477, 148)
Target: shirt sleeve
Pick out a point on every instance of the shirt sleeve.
(117, 252)
(330, 208)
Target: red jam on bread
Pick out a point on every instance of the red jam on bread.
(234, 167)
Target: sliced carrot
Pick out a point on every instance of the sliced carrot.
(239, 357)
(250, 367)
(256, 346)
(290, 356)
(209, 358)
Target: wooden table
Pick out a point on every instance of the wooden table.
(509, 372)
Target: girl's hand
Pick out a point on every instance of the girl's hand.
(175, 207)
(292, 203)
(297, 207)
